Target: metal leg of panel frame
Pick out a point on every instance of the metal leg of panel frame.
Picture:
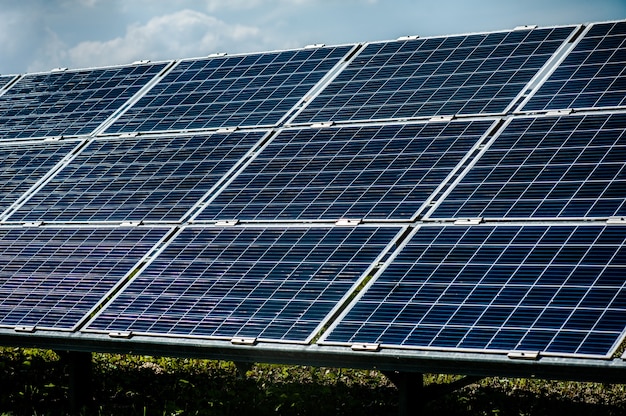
(242, 369)
(411, 392)
(81, 378)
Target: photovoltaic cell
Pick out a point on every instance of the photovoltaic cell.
(120, 179)
(247, 90)
(69, 102)
(593, 74)
(276, 284)
(553, 289)
(52, 277)
(371, 172)
(22, 165)
(471, 74)
(553, 167)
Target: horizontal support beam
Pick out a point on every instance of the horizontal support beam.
(470, 364)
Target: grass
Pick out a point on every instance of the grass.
(34, 382)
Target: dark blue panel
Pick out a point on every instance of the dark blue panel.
(373, 172)
(246, 90)
(593, 75)
(447, 302)
(70, 102)
(22, 165)
(269, 283)
(137, 178)
(53, 277)
(552, 167)
(472, 74)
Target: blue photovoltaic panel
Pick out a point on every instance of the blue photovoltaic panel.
(371, 172)
(69, 102)
(553, 289)
(268, 283)
(156, 178)
(53, 277)
(472, 74)
(247, 90)
(593, 75)
(553, 167)
(22, 165)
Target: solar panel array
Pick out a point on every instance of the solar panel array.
(266, 283)
(554, 289)
(137, 179)
(22, 165)
(471, 74)
(591, 76)
(65, 103)
(548, 167)
(53, 277)
(369, 172)
(417, 194)
(250, 90)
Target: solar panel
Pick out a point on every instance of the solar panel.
(369, 172)
(591, 76)
(23, 165)
(552, 167)
(139, 179)
(69, 102)
(246, 90)
(554, 289)
(53, 277)
(271, 283)
(470, 74)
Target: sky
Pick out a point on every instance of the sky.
(39, 35)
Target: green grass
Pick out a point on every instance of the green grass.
(34, 382)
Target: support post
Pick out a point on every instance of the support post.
(80, 383)
(410, 386)
(242, 369)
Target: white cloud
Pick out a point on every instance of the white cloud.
(52, 53)
(186, 33)
(214, 5)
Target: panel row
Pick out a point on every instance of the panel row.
(552, 289)
(479, 74)
(544, 167)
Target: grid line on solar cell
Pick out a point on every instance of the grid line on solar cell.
(23, 165)
(51, 278)
(592, 75)
(158, 178)
(248, 90)
(71, 102)
(266, 283)
(372, 172)
(554, 289)
(472, 74)
(552, 167)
